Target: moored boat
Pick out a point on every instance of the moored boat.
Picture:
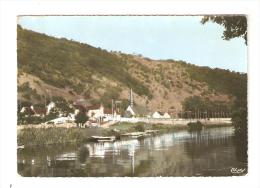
(103, 138)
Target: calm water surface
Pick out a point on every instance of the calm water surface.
(209, 153)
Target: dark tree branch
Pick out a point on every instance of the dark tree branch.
(235, 26)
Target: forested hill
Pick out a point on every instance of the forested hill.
(49, 66)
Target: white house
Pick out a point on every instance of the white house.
(76, 111)
(24, 109)
(61, 120)
(166, 115)
(136, 111)
(161, 115)
(157, 114)
(71, 117)
(130, 111)
(50, 106)
(95, 112)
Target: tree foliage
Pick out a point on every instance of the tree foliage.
(235, 26)
(62, 106)
(81, 118)
(27, 92)
(195, 126)
(199, 107)
(220, 80)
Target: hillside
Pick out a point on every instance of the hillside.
(49, 66)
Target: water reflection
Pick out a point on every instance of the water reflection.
(111, 148)
(207, 153)
(83, 154)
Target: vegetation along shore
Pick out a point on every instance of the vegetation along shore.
(56, 135)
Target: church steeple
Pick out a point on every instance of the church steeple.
(131, 98)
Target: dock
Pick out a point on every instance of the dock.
(151, 131)
(140, 134)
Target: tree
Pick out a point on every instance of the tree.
(20, 118)
(80, 119)
(62, 105)
(239, 120)
(200, 107)
(235, 26)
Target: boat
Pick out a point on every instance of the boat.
(134, 134)
(66, 157)
(151, 131)
(20, 147)
(103, 138)
(140, 134)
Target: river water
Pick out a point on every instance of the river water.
(211, 152)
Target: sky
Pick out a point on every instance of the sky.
(156, 37)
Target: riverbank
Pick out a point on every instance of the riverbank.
(135, 120)
(59, 135)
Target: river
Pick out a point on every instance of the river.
(211, 152)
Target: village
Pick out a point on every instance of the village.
(81, 115)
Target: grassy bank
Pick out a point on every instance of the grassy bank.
(37, 136)
(130, 127)
(55, 135)
(45, 136)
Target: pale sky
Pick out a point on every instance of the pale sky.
(157, 37)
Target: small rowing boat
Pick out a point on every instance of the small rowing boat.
(20, 147)
(151, 131)
(103, 138)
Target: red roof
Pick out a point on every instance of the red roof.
(29, 110)
(80, 107)
(107, 111)
(161, 113)
(36, 110)
(82, 102)
(94, 107)
(41, 111)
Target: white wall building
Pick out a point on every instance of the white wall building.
(157, 114)
(23, 109)
(130, 110)
(166, 115)
(161, 115)
(96, 113)
(50, 106)
(62, 120)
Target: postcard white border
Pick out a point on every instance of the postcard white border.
(9, 12)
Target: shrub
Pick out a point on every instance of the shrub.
(197, 126)
(140, 127)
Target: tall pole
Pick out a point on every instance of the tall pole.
(112, 106)
(45, 100)
(19, 105)
(218, 111)
(49, 95)
(115, 106)
(131, 98)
